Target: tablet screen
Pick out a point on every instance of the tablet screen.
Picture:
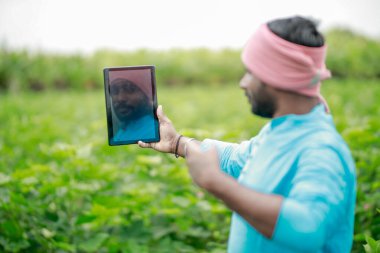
(131, 104)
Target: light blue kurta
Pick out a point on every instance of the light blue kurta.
(141, 129)
(304, 159)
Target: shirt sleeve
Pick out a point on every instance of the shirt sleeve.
(316, 202)
(232, 156)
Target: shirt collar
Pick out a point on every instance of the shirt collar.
(317, 112)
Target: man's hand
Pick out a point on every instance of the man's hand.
(168, 135)
(259, 209)
(203, 165)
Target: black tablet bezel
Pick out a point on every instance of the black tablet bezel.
(109, 110)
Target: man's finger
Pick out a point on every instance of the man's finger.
(160, 114)
(144, 145)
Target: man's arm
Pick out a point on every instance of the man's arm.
(258, 209)
(232, 156)
(315, 204)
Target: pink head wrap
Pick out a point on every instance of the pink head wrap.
(141, 77)
(286, 65)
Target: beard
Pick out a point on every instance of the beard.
(265, 109)
(263, 104)
(126, 112)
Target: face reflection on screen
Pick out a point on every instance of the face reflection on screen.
(133, 110)
(128, 100)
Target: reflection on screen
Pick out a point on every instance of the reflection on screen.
(132, 105)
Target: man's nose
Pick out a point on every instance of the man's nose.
(122, 96)
(242, 83)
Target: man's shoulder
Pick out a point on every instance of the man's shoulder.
(327, 141)
(325, 137)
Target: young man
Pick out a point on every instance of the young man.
(292, 187)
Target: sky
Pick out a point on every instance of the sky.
(85, 26)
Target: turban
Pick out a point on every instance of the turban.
(141, 77)
(286, 65)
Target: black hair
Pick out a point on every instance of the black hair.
(298, 30)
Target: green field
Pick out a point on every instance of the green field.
(63, 189)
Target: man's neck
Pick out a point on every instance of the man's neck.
(295, 104)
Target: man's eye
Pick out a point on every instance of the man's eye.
(133, 89)
(114, 91)
(124, 88)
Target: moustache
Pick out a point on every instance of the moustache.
(120, 106)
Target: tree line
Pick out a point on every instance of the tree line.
(350, 55)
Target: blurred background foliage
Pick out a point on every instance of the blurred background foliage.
(350, 55)
(63, 189)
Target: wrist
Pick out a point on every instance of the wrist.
(181, 146)
(175, 144)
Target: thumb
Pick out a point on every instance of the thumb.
(144, 144)
(160, 114)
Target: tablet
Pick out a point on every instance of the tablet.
(131, 104)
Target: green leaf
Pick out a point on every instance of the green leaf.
(149, 160)
(85, 219)
(94, 243)
(11, 229)
(65, 246)
(160, 232)
(47, 233)
(14, 246)
(181, 201)
(372, 245)
(4, 179)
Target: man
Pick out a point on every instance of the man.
(292, 187)
(133, 110)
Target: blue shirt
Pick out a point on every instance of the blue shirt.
(304, 159)
(141, 129)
